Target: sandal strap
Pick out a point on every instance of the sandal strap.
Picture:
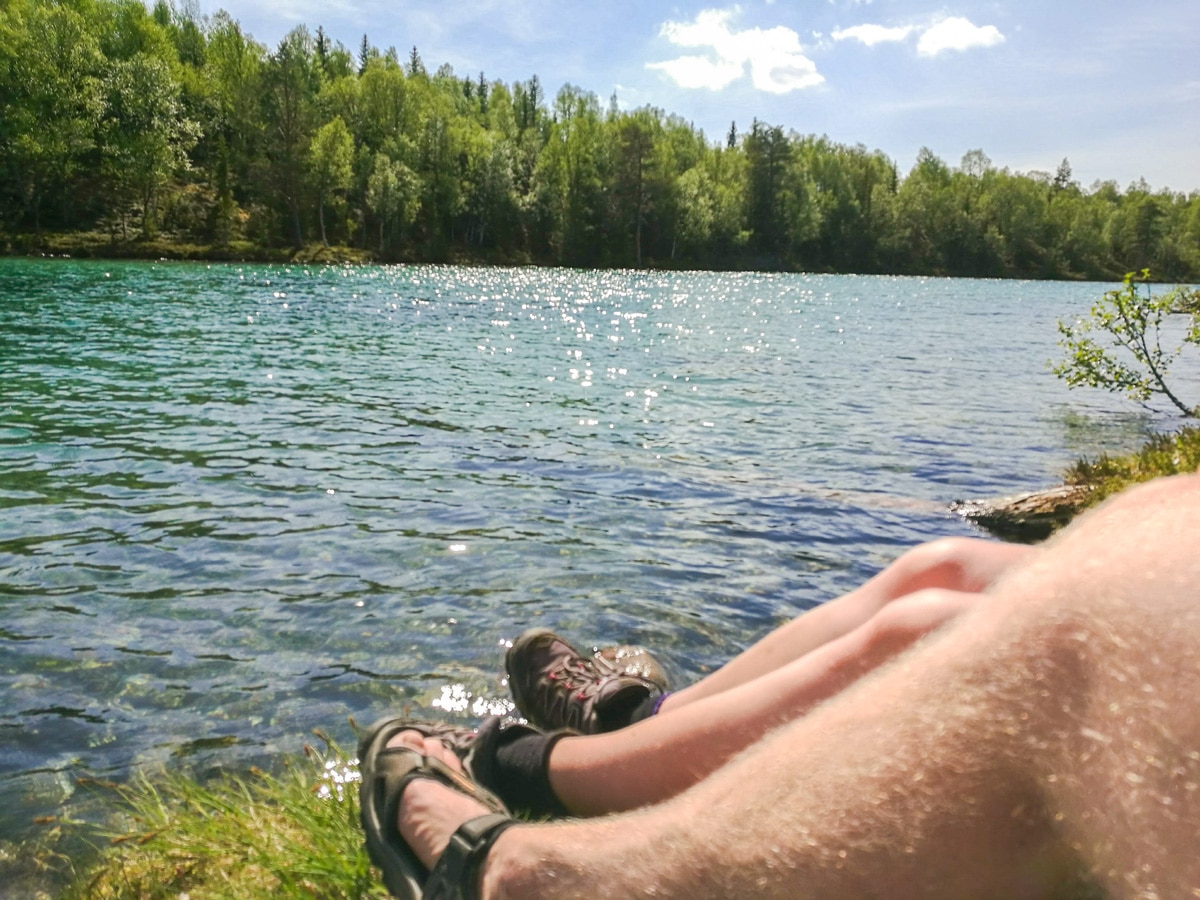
(456, 874)
(386, 772)
(400, 765)
(459, 738)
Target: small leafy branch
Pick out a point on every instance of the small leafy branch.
(1132, 361)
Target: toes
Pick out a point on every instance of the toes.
(413, 740)
(426, 746)
(435, 748)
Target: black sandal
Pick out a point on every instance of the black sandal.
(386, 771)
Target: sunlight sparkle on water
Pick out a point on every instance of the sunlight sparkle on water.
(429, 434)
(455, 698)
(333, 780)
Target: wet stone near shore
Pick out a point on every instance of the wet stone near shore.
(1028, 517)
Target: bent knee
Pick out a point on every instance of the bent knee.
(1157, 507)
(1174, 489)
(959, 563)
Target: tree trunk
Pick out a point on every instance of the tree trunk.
(297, 233)
(147, 213)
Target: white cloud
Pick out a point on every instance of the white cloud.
(954, 33)
(873, 34)
(957, 33)
(775, 56)
(701, 72)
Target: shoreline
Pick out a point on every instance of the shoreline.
(98, 246)
(1033, 516)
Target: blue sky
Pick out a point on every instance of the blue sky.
(1113, 87)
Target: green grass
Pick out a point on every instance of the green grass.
(1165, 454)
(290, 835)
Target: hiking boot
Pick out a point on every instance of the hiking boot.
(556, 686)
(630, 659)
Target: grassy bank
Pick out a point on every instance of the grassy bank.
(271, 836)
(1165, 454)
(1033, 516)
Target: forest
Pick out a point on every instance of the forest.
(143, 124)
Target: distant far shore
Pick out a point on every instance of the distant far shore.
(94, 245)
(98, 245)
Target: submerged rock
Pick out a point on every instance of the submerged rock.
(1025, 518)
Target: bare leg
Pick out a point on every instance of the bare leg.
(659, 757)
(955, 564)
(1052, 729)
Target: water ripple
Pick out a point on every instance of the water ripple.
(240, 502)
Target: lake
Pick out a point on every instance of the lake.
(238, 502)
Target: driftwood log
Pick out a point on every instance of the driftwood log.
(1025, 517)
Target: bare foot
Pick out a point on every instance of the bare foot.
(430, 812)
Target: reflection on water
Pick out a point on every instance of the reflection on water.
(1086, 434)
(459, 700)
(241, 502)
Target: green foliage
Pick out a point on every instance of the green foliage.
(1166, 454)
(768, 155)
(393, 196)
(637, 172)
(144, 135)
(112, 113)
(1131, 360)
(329, 157)
(50, 100)
(570, 178)
(295, 835)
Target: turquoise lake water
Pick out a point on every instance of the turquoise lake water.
(239, 502)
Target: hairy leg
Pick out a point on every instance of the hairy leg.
(1124, 772)
(966, 565)
(912, 783)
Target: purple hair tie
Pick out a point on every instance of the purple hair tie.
(659, 702)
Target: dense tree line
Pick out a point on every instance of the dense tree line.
(159, 121)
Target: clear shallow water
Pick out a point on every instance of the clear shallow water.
(241, 502)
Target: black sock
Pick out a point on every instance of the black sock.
(645, 709)
(513, 763)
